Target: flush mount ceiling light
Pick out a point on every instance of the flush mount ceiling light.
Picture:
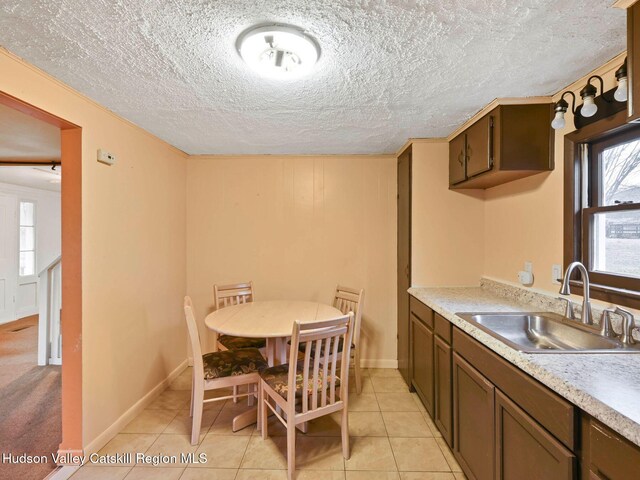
(278, 51)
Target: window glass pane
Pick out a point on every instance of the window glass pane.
(616, 242)
(27, 210)
(27, 263)
(621, 173)
(27, 238)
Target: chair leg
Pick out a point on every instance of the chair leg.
(251, 389)
(235, 394)
(291, 448)
(356, 366)
(193, 386)
(198, 405)
(262, 407)
(344, 426)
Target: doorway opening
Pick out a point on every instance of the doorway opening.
(40, 287)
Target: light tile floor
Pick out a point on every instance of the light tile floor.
(392, 438)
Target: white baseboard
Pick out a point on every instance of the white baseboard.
(62, 473)
(378, 363)
(102, 439)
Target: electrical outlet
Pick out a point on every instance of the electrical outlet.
(528, 267)
(525, 278)
(556, 273)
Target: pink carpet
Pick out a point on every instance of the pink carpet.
(29, 401)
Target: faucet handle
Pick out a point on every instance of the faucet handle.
(628, 325)
(606, 329)
(569, 312)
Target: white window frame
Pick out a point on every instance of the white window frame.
(22, 278)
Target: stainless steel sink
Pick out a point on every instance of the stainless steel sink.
(545, 333)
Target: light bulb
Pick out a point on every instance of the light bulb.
(589, 108)
(621, 92)
(558, 122)
(278, 51)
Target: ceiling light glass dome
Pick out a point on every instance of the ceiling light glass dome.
(278, 51)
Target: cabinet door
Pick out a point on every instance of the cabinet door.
(611, 456)
(442, 364)
(404, 260)
(422, 361)
(457, 160)
(480, 146)
(524, 450)
(633, 61)
(473, 421)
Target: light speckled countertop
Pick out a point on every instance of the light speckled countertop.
(606, 386)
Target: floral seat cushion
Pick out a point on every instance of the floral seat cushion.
(278, 378)
(232, 362)
(234, 343)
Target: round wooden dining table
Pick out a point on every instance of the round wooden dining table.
(272, 320)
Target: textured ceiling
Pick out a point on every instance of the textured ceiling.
(389, 70)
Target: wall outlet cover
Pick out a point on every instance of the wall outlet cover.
(525, 278)
(556, 273)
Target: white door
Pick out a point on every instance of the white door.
(8, 256)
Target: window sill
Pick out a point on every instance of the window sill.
(617, 296)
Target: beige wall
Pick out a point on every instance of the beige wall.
(447, 226)
(133, 247)
(297, 226)
(459, 236)
(524, 218)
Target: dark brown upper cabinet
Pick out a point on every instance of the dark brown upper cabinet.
(508, 143)
(457, 158)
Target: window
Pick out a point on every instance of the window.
(27, 239)
(602, 196)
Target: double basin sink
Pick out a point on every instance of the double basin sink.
(546, 333)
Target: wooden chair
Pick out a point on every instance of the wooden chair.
(348, 300)
(352, 300)
(310, 388)
(226, 296)
(217, 370)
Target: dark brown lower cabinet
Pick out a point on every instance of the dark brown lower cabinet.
(607, 455)
(473, 424)
(443, 389)
(524, 450)
(422, 362)
(501, 423)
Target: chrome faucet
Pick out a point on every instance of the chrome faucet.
(628, 325)
(565, 290)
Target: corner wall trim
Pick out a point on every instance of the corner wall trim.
(102, 439)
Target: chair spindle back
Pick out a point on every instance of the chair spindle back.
(320, 364)
(228, 295)
(194, 338)
(350, 300)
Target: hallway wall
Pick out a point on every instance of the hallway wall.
(133, 250)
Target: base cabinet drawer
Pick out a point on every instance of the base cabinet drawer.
(524, 450)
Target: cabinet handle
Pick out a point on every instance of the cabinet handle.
(491, 141)
(460, 157)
